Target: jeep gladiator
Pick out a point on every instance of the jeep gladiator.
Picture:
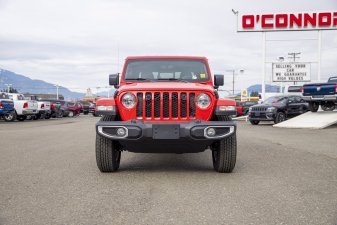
(166, 104)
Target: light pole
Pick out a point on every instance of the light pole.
(233, 72)
(8, 87)
(57, 91)
(281, 59)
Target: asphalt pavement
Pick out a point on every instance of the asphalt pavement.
(48, 175)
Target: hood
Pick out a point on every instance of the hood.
(268, 105)
(166, 86)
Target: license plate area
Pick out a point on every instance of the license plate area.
(318, 96)
(165, 131)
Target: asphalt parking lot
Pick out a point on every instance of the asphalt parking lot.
(48, 175)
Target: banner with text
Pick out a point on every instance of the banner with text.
(291, 72)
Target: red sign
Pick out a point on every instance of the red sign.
(288, 21)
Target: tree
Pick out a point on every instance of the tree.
(11, 90)
(254, 94)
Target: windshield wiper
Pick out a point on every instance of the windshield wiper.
(139, 78)
(173, 79)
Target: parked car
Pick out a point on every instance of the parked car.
(55, 108)
(293, 90)
(277, 109)
(23, 107)
(75, 108)
(44, 110)
(7, 110)
(321, 94)
(69, 109)
(246, 105)
(239, 111)
(92, 109)
(86, 106)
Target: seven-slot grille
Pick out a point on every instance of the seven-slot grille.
(259, 109)
(165, 105)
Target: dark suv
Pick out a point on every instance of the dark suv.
(277, 109)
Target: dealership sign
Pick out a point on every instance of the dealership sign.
(291, 72)
(287, 21)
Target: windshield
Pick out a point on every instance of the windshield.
(154, 70)
(275, 100)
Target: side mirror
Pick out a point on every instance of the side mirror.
(114, 80)
(218, 80)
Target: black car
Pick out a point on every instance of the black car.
(277, 109)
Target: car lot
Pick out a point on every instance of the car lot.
(48, 175)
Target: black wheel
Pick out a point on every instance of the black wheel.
(21, 118)
(10, 117)
(313, 106)
(280, 117)
(224, 154)
(329, 106)
(85, 113)
(254, 122)
(108, 152)
(47, 116)
(36, 117)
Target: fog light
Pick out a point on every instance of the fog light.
(210, 132)
(121, 132)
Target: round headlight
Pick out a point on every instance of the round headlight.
(129, 100)
(203, 101)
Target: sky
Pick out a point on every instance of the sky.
(78, 43)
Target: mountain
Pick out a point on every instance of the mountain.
(269, 88)
(26, 85)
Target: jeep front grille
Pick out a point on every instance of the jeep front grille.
(165, 105)
(259, 109)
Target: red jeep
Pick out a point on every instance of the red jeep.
(166, 105)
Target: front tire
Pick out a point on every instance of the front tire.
(108, 152)
(108, 155)
(280, 117)
(10, 117)
(224, 154)
(254, 122)
(21, 118)
(313, 106)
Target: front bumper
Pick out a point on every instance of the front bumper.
(320, 98)
(166, 137)
(261, 116)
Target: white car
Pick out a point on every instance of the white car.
(44, 107)
(23, 107)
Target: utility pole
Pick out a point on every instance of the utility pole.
(293, 55)
(57, 91)
(233, 72)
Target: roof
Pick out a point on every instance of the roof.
(167, 57)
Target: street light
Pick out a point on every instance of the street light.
(233, 72)
(8, 85)
(57, 91)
